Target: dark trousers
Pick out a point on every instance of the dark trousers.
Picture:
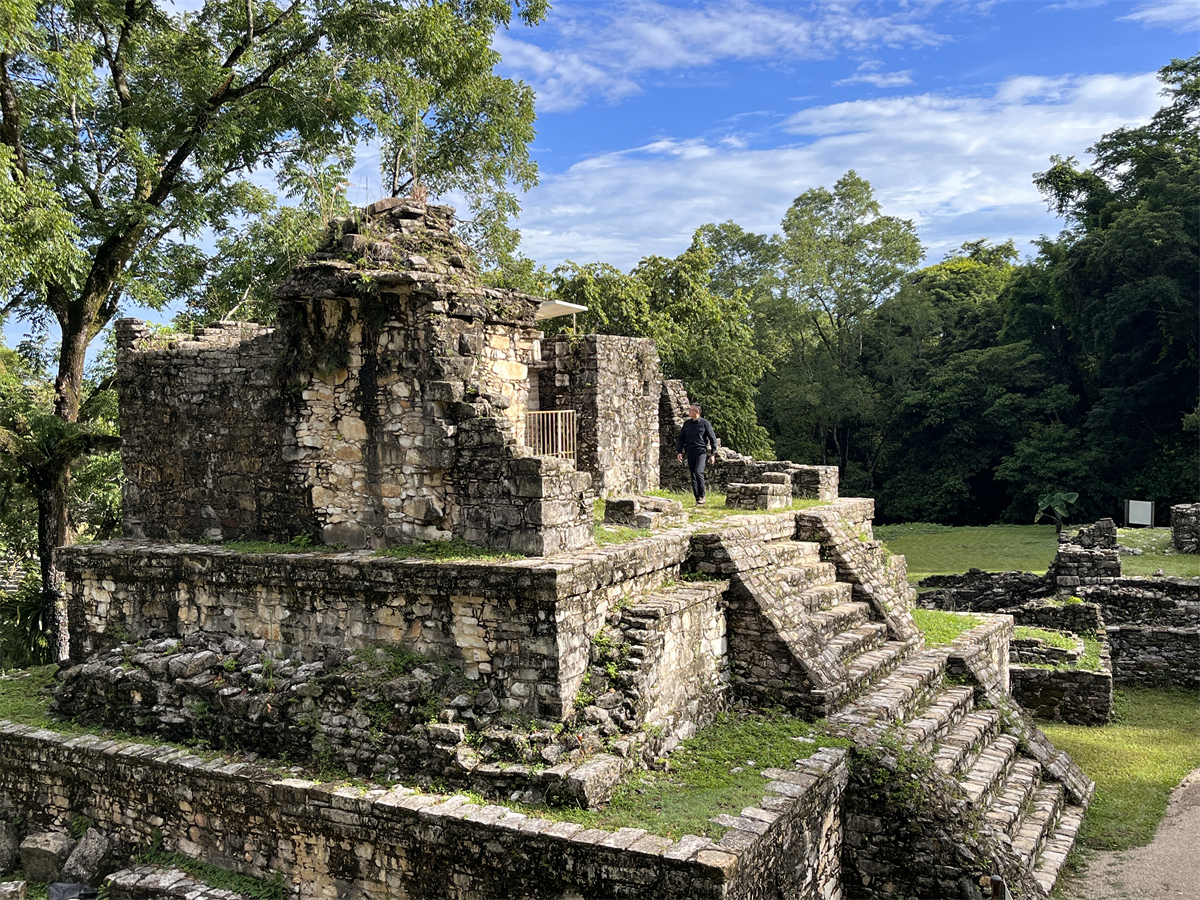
(696, 463)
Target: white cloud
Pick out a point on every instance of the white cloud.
(603, 49)
(868, 73)
(959, 167)
(1178, 15)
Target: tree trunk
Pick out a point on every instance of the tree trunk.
(54, 609)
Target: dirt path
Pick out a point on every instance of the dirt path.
(1165, 869)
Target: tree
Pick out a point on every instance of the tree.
(840, 258)
(1122, 283)
(39, 449)
(127, 130)
(703, 339)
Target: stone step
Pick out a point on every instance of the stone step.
(987, 775)
(1039, 823)
(1024, 779)
(962, 745)
(897, 694)
(1057, 846)
(936, 720)
(827, 596)
(789, 553)
(794, 582)
(843, 617)
(857, 641)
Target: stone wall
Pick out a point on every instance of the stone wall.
(1155, 655)
(1102, 535)
(1185, 527)
(1074, 566)
(521, 628)
(202, 437)
(387, 407)
(1074, 696)
(350, 842)
(981, 654)
(614, 384)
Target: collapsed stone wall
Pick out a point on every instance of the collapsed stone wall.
(614, 385)
(387, 407)
(808, 482)
(331, 841)
(1101, 535)
(1185, 527)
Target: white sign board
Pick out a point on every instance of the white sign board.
(1139, 512)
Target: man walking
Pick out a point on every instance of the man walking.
(698, 440)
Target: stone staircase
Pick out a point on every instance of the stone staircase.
(819, 622)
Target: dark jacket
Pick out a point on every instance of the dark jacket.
(696, 437)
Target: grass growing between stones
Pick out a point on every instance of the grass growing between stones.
(716, 771)
(215, 877)
(941, 628)
(1136, 761)
(453, 550)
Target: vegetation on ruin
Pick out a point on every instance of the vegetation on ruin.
(941, 628)
(452, 550)
(244, 885)
(946, 550)
(1136, 761)
(719, 770)
(1046, 636)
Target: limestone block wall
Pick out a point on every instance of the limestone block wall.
(523, 628)
(202, 437)
(1074, 696)
(982, 654)
(1185, 527)
(331, 841)
(1074, 566)
(1155, 655)
(614, 385)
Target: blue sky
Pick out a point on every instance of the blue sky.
(656, 117)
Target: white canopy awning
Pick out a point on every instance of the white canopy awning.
(552, 309)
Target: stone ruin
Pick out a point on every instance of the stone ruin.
(1185, 527)
(388, 406)
(1149, 627)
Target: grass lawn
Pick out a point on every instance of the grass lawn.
(945, 550)
(1136, 761)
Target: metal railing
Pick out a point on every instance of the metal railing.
(551, 433)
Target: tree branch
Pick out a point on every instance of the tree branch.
(10, 117)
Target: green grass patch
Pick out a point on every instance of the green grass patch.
(619, 534)
(941, 550)
(716, 771)
(453, 550)
(941, 628)
(1050, 638)
(301, 543)
(1158, 554)
(223, 879)
(944, 550)
(1136, 761)
(23, 697)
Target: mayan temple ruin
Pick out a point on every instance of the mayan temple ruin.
(399, 402)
